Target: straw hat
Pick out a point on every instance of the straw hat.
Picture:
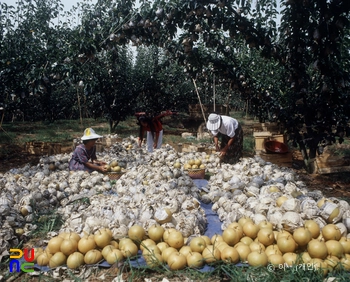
(214, 122)
(90, 134)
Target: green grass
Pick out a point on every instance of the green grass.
(248, 146)
(175, 139)
(46, 220)
(218, 271)
(221, 271)
(58, 131)
(46, 223)
(129, 125)
(341, 153)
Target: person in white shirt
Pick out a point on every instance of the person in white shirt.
(231, 133)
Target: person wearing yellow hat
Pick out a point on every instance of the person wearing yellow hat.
(85, 152)
(231, 133)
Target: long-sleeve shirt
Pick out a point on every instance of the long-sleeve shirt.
(81, 156)
(157, 124)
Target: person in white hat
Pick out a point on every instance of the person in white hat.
(231, 133)
(85, 152)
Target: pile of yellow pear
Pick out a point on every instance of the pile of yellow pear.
(113, 166)
(242, 241)
(194, 164)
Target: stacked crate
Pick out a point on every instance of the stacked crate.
(271, 131)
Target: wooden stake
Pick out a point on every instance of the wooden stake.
(214, 92)
(199, 98)
(227, 100)
(246, 109)
(81, 118)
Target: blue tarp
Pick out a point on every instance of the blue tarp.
(213, 227)
(214, 224)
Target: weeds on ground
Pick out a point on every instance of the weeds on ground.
(172, 139)
(248, 146)
(46, 220)
(342, 153)
(230, 272)
(57, 131)
(46, 223)
(132, 271)
(221, 271)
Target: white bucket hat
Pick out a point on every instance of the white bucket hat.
(90, 134)
(213, 122)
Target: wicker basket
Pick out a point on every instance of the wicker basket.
(196, 173)
(114, 175)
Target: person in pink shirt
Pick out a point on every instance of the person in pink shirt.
(154, 128)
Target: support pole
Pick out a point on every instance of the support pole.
(214, 93)
(81, 118)
(246, 109)
(199, 99)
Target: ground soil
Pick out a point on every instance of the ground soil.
(332, 185)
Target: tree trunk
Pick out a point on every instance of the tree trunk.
(308, 157)
(112, 125)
